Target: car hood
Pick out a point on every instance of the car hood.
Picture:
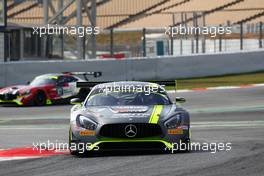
(15, 89)
(126, 114)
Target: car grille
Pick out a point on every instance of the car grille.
(8, 96)
(142, 130)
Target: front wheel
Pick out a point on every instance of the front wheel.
(40, 99)
(182, 146)
(72, 151)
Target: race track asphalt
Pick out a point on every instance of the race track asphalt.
(228, 116)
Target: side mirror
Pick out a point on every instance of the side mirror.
(75, 101)
(180, 100)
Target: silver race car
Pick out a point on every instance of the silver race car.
(127, 116)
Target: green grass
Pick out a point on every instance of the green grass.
(228, 80)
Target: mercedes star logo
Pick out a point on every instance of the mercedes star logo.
(130, 130)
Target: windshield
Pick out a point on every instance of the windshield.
(127, 98)
(42, 81)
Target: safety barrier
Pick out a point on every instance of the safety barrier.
(159, 68)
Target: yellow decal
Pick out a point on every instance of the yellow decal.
(154, 118)
(53, 77)
(48, 102)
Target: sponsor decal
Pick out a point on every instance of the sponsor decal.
(129, 109)
(175, 131)
(87, 133)
(132, 115)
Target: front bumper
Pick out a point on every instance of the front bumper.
(20, 100)
(130, 144)
(14, 99)
(97, 142)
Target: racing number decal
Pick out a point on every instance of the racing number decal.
(60, 91)
(154, 118)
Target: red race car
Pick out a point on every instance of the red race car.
(47, 89)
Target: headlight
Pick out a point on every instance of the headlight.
(173, 122)
(86, 123)
(25, 93)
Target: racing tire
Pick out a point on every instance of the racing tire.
(77, 152)
(72, 152)
(40, 99)
(185, 142)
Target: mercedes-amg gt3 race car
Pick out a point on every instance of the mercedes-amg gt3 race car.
(127, 115)
(47, 89)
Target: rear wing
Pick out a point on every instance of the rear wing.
(92, 84)
(85, 74)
